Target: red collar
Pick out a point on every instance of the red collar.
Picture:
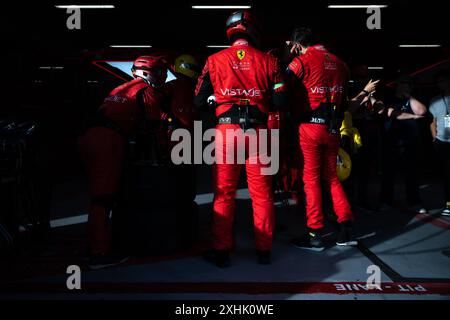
(317, 47)
(240, 42)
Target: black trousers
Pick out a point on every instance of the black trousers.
(365, 162)
(397, 158)
(443, 155)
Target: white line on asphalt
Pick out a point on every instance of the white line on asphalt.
(201, 199)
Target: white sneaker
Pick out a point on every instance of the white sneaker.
(446, 211)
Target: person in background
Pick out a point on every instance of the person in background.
(350, 143)
(286, 181)
(182, 109)
(187, 70)
(401, 145)
(367, 119)
(440, 131)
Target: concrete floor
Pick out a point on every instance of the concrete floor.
(407, 247)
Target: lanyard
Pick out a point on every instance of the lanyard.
(447, 116)
(446, 104)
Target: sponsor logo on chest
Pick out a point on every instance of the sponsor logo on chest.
(253, 92)
(324, 89)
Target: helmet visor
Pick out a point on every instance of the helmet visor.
(190, 66)
(234, 18)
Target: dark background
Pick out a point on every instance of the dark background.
(36, 35)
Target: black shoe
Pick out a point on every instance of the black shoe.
(101, 261)
(311, 241)
(220, 258)
(264, 257)
(446, 253)
(345, 235)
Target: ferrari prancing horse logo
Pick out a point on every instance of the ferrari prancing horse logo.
(240, 54)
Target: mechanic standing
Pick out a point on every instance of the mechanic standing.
(321, 83)
(440, 131)
(102, 148)
(181, 91)
(246, 84)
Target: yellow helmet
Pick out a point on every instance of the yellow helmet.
(187, 65)
(343, 165)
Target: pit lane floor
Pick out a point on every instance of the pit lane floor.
(408, 248)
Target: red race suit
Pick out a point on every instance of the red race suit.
(241, 78)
